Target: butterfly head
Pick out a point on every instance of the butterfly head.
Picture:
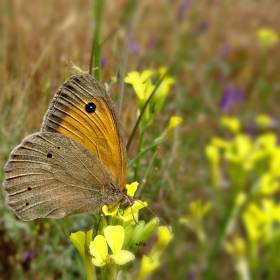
(119, 199)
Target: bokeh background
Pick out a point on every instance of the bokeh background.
(222, 69)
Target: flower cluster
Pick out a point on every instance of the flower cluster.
(117, 242)
(143, 86)
(251, 173)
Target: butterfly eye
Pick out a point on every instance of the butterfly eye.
(90, 107)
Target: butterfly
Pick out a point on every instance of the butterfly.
(76, 163)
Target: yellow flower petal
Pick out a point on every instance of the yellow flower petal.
(137, 205)
(99, 250)
(212, 153)
(115, 237)
(107, 212)
(233, 124)
(267, 38)
(78, 239)
(121, 257)
(147, 267)
(164, 237)
(131, 188)
(174, 121)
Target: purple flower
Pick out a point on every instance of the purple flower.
(28, 255)
(183, 8)
(103, 62)
(201, 28)
(151, 44)
(232, 94)
(224, 51)
(251, 129)
(134, 47)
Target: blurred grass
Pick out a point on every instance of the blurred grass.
(215, 43)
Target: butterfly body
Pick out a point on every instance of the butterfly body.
(77, 163)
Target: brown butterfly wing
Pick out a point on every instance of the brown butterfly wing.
(83, 111)
(52, 176)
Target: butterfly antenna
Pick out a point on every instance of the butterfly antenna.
(142, 194)
(163, 222)
(132, 212)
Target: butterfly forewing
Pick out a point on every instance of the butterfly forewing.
(83, 111)
(52, 176)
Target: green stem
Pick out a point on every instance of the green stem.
(126, 14)
(139, 150)
(65, 70)
(89, 268)
(96, 45)
(108, 272)
(210, 271)
(144, 151)
(141, 187)
(144, 108)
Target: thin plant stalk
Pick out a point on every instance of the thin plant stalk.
(210, 272)
(140, 188)
(89, 268)
(96, 45)
(144, 151)
(139, 150)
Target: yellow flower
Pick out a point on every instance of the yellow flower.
(240, 151)
(221, 143)
(275, 163)
(236, 247)
(131, 188)
(126, 214)
(198, 211)
(195, 217)
(147, 267)
(268, 184)
(143, 86)
(267, 38)
(259, 220)
(162, 91)
(164, 237)
(212, 154)
(264, 121)
(233, 124)
(114, 237)
(81, 240)
(135, 77)
(151, 263)
(268, 142)
(174, 121)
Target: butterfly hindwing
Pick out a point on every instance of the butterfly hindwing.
(51, 176)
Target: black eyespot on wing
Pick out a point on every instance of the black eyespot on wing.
(27, 203)
(90, 107)
(49, 155)
(29, 188)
